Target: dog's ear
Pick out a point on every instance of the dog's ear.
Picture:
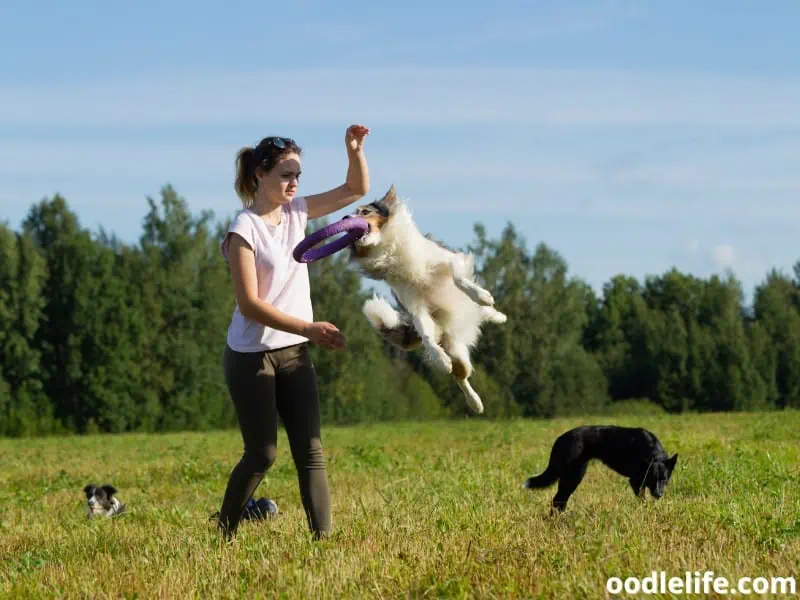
(89, 488)
(671, 462)
(390, 198)
(110, 489)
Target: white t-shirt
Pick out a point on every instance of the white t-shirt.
(282, 281)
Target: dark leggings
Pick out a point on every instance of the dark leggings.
(262, 386)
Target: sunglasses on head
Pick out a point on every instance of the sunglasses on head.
(279, 142)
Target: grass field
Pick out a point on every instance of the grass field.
(420, 510)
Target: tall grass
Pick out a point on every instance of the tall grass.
(420, 510)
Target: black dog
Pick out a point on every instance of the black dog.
(632, 452)
(101, 502)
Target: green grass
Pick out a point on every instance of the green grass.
(420, 510)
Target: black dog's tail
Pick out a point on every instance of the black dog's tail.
(543, 480)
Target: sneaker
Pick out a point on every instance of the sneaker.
(262, 508)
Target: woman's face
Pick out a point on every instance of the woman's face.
(280, 184)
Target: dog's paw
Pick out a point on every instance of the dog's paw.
(441, 361)
(494, 316)
(474, 402)
(483, 297)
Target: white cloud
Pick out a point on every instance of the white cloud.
(517, 183)
(748, 165)
(724, 256)
(760, 177)
(115, 160)
(556, 21)
(412, 95)
(334, 33)
(741, 171)
(747, 265)
(204, 161)
(748, 260)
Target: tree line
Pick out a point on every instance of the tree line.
(100, 335)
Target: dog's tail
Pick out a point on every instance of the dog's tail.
(543, 480)
(390, 324)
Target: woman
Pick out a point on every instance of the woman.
(267, 364)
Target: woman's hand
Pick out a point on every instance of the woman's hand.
(354, 137)
(325, 334)
(356, 183)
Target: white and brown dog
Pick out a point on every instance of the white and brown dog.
(440, 306)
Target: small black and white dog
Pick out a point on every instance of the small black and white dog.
(632, 452)
(440, 306)
(101, 502)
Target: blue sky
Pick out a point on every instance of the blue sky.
(628, 136)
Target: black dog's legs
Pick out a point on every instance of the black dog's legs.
(567, 484)
(638, 487)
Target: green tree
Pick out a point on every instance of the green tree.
(616, 336)
(24, 407)
(186, 294)
(538, 353)
(776, 308)
(86, 344)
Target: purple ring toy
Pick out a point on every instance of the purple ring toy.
(354, 227)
